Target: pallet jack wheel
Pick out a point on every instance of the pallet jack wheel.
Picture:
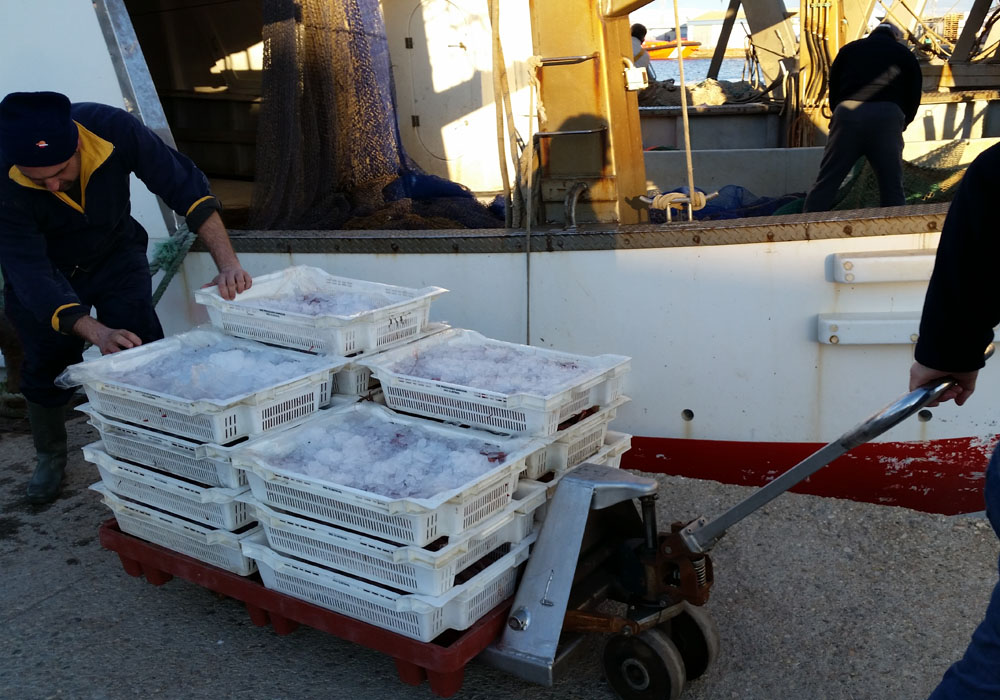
(696, 637)
(644, 667)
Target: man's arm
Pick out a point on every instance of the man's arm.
(232, 278)
(961, 307)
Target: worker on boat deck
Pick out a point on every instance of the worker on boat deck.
(640, 57)
(960, 312)
(875, 86)
(68, 244)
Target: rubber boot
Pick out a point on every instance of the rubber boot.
(48, 431)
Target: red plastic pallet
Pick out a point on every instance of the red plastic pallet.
(442, 662)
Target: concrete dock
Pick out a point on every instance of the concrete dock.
(814, 598)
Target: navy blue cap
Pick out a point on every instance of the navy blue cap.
(36, 129)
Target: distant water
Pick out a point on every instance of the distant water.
(696, 69)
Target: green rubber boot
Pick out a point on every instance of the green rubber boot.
(48, 430)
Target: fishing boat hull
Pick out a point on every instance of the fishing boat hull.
(735, 373)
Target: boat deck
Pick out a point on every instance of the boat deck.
(814, 598)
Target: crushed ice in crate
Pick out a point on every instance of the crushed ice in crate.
(219, 371)
(495, 367)
(324, 303)
(390, 459)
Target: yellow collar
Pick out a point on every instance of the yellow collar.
(93, 152)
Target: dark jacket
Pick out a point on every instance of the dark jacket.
(876, 69)
(46, 238)
(962, 307)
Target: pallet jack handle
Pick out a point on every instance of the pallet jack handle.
(700, 535)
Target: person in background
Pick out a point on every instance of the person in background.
(956, 327)
(68, 244)
(640, 57)
(875, 87)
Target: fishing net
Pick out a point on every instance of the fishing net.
(927, 179)
(329, 153)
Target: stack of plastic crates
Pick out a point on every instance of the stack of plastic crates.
(415, 565)
(573, 420)
(392, 316)
(164, 459)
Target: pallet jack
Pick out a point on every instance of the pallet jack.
(599, 545)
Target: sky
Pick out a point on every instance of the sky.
(661, 12)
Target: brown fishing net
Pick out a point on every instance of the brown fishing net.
(328, 149)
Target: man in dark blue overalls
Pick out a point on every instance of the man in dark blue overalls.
(68, 244)
(875, 89)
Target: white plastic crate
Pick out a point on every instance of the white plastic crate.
(207, 420)
(412, 615)
(353, 380)
(574, 444)
(407, 567)
(212, 506)
(400, 321)
(416, 521)
(217, 547)
(205, 463)
(519, 413)
(615, 445)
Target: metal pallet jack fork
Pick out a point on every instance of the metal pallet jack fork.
(595, 546)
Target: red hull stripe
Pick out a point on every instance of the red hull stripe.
(939, 476)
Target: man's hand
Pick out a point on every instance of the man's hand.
(965, 382)
(231, 281)
(232, 278)
(109, 340)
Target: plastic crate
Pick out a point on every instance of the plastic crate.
(615, 445)
(209, 420)
(212, 505)
(380, 328)
(353, 380)
(217, 547)
(416, 521)
(519, 413)
(408, 567)
(574, 444)
(409, 614)
(205, 463)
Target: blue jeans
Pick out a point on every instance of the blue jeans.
(976, 676)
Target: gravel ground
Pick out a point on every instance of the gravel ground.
(814, 598)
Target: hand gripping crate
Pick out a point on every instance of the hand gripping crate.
(209, 420)
(205, 463)
(402, 319)
(220, 548)
(212, 506)
(405, 567)
(517, 413)
(419, 617)
(417, 521)
(573, 445)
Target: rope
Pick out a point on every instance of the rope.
(684, 106)
(168, 257)
(534, 64)
(679, 200)
(498, 103)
